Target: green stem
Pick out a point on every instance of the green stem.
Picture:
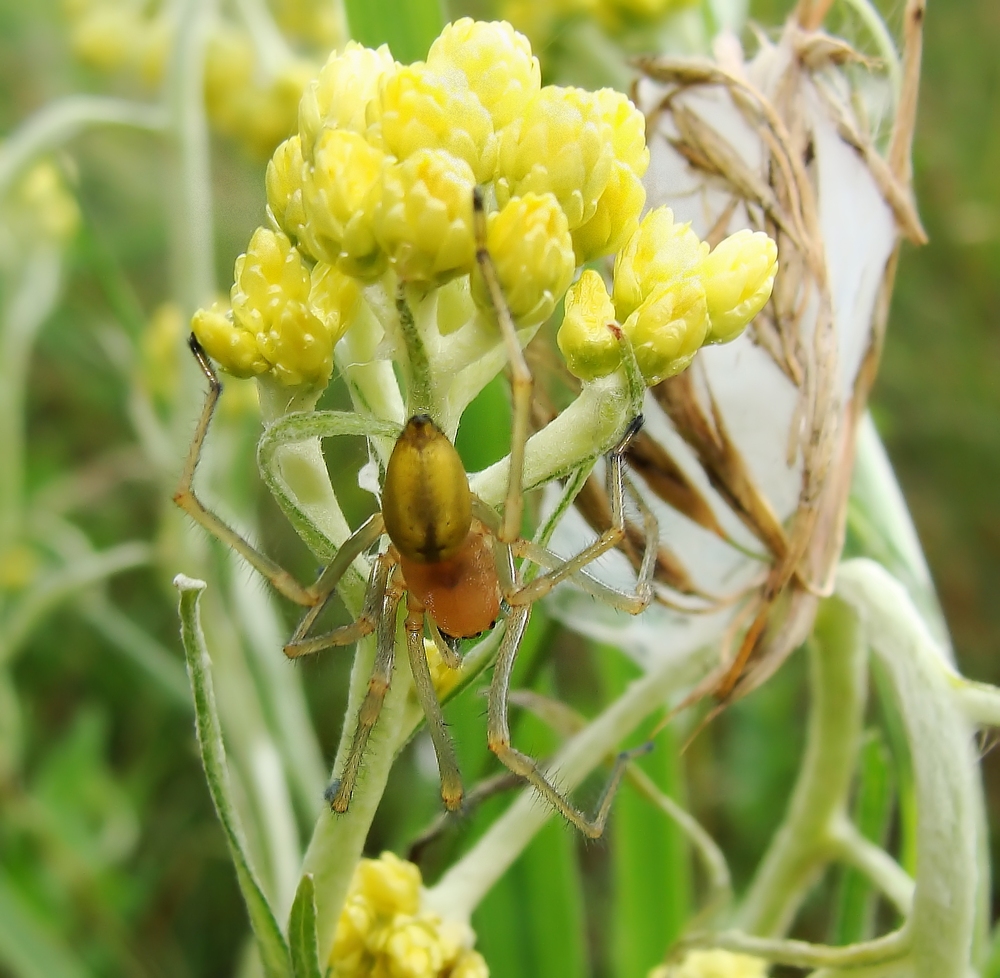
(465, 884)
(803, 844)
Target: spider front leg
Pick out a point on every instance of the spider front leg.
(520, 380)
(498, 738)
(339, 793)
(186, 498)
(444, 748)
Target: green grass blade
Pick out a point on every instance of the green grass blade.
(273, 950)
(408, 28)
(28, 947)
(302, 932)
(651, 862)
(855, 902)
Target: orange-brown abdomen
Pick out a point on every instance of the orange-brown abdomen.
(462, 594)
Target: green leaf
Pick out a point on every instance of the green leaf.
(408, 27)
(273, 950)
(302, 931)
(28, 947)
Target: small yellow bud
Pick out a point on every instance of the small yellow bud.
(229, 71)
(738, 276)
(333, 298)
(20, 565)
(532, 251)
(495, 59)
(627, 129)
(161, 346)
(668, 328)
(285, 175)
(561, 146)
(350, 942)
(229, 344)
(267, 113)
(590, 348)
(713, 964)
(413, 950)
(660, 251)
(104, 36)
(419, 109)
(339, 96)
(390, 884)
(425, 218)
(44, 205)
(616, 218)
(470, 965)
(341, 195)
(270, 300)
(445, 678)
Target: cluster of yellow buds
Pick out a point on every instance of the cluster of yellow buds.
(245, 99)
(541, 19)
(713, 964)
(39, 207)
(671, 295)
(377, 185)
(383, 933)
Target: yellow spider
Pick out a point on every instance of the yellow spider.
(454, 559)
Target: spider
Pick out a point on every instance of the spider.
(454, 559)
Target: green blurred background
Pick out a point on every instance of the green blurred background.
(108, 837)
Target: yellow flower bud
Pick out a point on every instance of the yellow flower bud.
(341, 195)
(285, 175)
(43, 207)
(229, 344)
(350, 942)
(616, 218)
(495, 59)
(470, 965)
(627, 129)
(424, 221)
(419, 109)
(660, 251)
(590, 348)
(267, 113)
(104, 36)
(270, 299)
(668, 328)
(229, 71)
(561, 146)
(338, 98)
(413, 950)
(390, 884)
(161, 346)
(532, 252)
(713, 964)
(333, 298)
(738, 276)
(445, 678)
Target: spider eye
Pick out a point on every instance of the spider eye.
(426, 502)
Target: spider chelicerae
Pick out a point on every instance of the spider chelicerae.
(459, 565)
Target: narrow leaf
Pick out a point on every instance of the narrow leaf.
(408, 28)
(273, 950)
(29, 947)
(302, 931)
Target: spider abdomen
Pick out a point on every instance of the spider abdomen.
(461, 594)
(426, 501)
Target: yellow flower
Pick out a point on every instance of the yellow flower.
(713, 964)
(419, 109)
(668, 328)
(271, 325)
(590, 348)
(738, 276)
(161, 345)
(340, 95)
(44, 206)
(424, 221)
(333, 298)
(627, 129)
(660, 251)
(103, 37)
(390, 884)
(559, 146)
(616, 218)
(341, 195)
(532, 253)
(496, 61)
(284, 179)
(470, 965)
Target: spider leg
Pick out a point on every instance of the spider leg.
(339, 793)
(299, 645)
(444, 748)
(498, 737)
(521, 382)
(187, 500)
(610, 538)
(323, 587)
(449, 652)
